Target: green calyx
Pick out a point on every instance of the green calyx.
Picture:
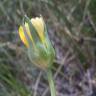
(42, 57)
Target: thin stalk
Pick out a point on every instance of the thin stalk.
(51, 83)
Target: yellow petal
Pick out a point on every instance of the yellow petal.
(28, 31)
(38, 23)
(22, 36)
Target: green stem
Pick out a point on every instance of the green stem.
(51, 83)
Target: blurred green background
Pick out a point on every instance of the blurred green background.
(72, 29)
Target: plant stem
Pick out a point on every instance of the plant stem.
(51, 83)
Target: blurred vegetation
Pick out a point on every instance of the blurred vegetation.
(72, 30)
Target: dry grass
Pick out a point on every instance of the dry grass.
(72, 30)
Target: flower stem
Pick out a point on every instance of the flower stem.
(51, 83)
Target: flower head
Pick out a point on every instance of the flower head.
(33, 34)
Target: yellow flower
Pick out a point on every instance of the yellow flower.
(33, 34)
(38, 24)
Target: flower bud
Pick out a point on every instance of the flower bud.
(33, 34)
